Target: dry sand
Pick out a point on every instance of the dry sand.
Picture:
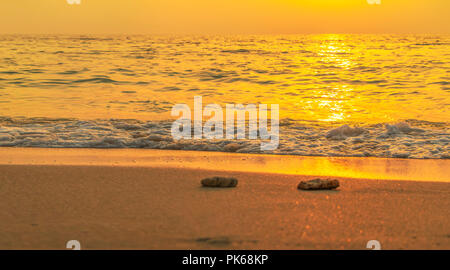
(149, 199)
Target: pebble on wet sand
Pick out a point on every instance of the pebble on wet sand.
(220, 182)
(318, 184)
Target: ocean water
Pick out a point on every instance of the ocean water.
(118, 91)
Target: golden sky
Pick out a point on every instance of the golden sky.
(224, 16)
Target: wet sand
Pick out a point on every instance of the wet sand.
(149, 199)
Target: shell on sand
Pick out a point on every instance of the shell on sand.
(317, 184)
(219, 182)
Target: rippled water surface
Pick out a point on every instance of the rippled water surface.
(86, 84)
(326, 78)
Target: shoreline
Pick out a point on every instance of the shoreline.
(433, 170)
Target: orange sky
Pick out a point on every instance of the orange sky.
(224, 16)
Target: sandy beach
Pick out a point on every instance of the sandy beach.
(150, 199)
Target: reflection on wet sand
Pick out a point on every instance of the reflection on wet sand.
(432, 170)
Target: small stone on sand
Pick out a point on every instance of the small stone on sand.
(219, 182)
(317, 184)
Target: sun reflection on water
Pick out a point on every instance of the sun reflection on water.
(330, 79)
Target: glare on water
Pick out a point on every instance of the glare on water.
(326, 79)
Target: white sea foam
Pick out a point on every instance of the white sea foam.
(409, 139)
(343, 132)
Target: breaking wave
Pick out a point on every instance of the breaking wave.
(407, 139)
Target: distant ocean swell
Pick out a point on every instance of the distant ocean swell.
(407, 139)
